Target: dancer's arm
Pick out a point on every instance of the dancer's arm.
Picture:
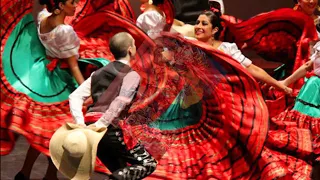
(69, 50)
(75, 70)
(128, 90)
(263, 76)
(178, 22)
(254, 70)
(299, 73)
(77, 98)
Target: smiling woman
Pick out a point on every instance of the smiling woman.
(208, 28)
(308, 7)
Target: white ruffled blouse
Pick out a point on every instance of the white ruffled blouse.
(232, 50)
(152, 23)
(316, 58)
(62, 42)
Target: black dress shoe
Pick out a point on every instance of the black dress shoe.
(20, 176)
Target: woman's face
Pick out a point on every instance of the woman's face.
(203, 28)
(69, 7)
(308, 6)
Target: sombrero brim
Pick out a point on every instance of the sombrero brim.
(75, 168)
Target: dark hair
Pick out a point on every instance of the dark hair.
(215, 20)
(157, 2)
(119, 45)
(318, 27)
(51, 4)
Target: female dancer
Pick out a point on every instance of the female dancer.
(308, 7)
(208, 28)
(62, 46)
(306, 111)
(36, 89)
(153, 19)
(215, 123)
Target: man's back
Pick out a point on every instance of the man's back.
(106, 84)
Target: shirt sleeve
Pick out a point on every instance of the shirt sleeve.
(127, 92)
(149, 20)
(68, 42)
(237, 55)
(76, 99)
(151, 23)
(42, 15)
(315, 58)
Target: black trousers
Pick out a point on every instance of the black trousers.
(115, 155)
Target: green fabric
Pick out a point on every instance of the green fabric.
(24, 61)
(310, 94)
(177, 117)
(279, 72)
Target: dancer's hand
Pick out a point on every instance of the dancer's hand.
(287, 90)
(283, 82)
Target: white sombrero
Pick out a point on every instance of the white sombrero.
(73, 150)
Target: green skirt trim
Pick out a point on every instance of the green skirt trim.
(177, 117)
(24, 64)
(308, 100)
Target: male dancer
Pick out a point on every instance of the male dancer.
(113, 88)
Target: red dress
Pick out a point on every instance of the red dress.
(37, 121)
(283, 36)
(233, 138)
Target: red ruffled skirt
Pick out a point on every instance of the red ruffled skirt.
(25, 115)
(233, 139)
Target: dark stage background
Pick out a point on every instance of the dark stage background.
(240, 9)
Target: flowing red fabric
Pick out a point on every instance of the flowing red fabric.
(233, 139)
(15, 105)
(95, 25)
(283, 36)
(87, 7)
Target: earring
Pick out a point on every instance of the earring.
(150, 2)
(56, 11)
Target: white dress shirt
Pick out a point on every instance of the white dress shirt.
(127, 92)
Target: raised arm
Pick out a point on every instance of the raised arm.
(299, 73)
(254, 70)
(263, 76)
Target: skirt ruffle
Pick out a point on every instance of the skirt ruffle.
(306, 112)
(34, 100)
(233, 138)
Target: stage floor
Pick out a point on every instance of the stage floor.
(12, 163)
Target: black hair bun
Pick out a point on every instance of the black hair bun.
(44, 2)
(157, 2)
(218, 13)
(48, 4)
(318, 27)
